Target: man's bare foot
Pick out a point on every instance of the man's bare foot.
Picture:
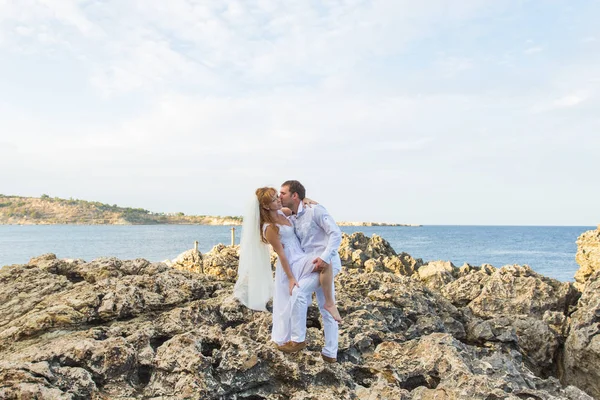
(332, 309)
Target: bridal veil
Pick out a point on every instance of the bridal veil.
(254, 286)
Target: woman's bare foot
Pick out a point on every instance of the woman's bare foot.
(332, 309)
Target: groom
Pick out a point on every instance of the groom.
(319, 235)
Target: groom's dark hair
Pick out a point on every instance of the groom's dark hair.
(295, 187)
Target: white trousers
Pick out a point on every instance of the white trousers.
(282, 308)
(282, 301)
(301, 299)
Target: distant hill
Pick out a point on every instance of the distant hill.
(47, 210)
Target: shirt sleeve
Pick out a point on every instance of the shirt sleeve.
(333, 232)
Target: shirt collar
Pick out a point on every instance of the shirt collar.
(301, 209)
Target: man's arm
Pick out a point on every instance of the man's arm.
(334, 234)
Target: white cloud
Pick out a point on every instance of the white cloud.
(403, 145)
(568, 101)
(215, 97)
(452, 66)
(147, 64)
(132, 46)
(24, 30)
(7, 148)
(533, 50)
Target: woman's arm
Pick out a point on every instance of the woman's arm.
(273, 239)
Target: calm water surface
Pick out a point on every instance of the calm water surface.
(548, 250)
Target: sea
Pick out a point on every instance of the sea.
(549, 250)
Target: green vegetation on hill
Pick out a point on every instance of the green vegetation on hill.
(54, 210)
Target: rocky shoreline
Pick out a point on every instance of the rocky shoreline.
(18, 210)
(115, 329)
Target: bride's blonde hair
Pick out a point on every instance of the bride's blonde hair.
(265, 197)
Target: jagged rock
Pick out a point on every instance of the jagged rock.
(466, 288)
(518, 306)
(222, 262)
(438, 366)
(382, 306)
(588, 256)
(538, 341)
(377, 387)
(50, 263)
(436, 274)
(488, 269)
(375, 254)
(518, 290)
(374, 265)
(23, 288)
(44, 381)
(464, 270)
(143, 330)
(467, 269)
(402, 264)
(95, 300)
(43, 260)
(379, 247)
(557, 321)
(356, 248)
(532, 337)
(491, 330)
(190, 260)
(582, 347)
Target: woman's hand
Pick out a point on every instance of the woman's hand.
(308, 202)
(292, 283)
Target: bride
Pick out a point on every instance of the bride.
(265, 223)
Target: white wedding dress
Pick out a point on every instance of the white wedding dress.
(255, 286)
(300, 264)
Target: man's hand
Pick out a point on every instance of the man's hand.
(319, 264)
(308, 202)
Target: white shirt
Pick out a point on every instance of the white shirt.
(318, 233)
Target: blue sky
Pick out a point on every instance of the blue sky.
(434, 112)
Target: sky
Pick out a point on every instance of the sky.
(466, 112)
